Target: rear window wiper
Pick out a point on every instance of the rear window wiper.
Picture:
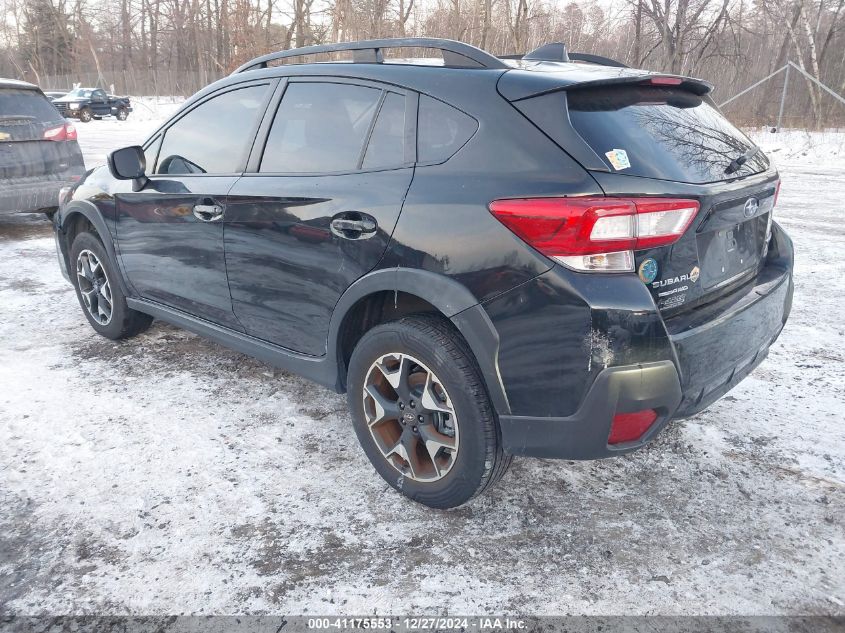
(739, 161)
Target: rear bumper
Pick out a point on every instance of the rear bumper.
(677, 367)
(30, 196)
(584, 434)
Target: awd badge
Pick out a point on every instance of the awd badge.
(648, 270)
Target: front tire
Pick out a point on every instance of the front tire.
(422, 414)
(122, 114)
(85, 115)
(99, 293)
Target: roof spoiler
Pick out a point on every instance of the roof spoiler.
(527, 85)
(690, 84)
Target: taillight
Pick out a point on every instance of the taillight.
(65, 194)
(64, 132)
(596, 233)
(628, 427)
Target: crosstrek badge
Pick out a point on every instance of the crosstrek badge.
(618, 158)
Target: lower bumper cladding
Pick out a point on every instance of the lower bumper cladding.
(585, 434)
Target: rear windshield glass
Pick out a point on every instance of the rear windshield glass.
(27, 104)
(661, 133)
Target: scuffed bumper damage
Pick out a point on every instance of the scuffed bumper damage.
(28, 195)
(563, 396)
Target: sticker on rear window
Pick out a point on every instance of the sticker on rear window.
(618, 158)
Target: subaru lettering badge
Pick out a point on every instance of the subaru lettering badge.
(648, 270)
(750, 208)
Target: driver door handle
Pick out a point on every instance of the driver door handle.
(208, 212)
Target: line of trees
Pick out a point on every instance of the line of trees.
(730, 42)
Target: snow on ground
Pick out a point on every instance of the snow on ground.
(800, 147)
(166, 474)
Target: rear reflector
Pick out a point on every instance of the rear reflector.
(628, 427)
(64, 132)
(596, 233)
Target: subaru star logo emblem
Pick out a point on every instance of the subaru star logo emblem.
(751, 206)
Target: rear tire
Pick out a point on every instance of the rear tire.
(98, 291)
(434, 436)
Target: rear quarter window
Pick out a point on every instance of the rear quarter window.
(442, 130)
(663, 133)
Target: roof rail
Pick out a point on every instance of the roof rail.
(455, 54)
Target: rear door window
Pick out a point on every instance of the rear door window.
(320, 128)
(442, 130)
(663, 133)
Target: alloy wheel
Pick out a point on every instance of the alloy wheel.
(94, 286)
(411, 417)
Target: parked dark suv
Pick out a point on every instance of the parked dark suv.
(550, 256)
(38, 150)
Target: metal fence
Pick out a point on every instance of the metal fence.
(134, 82)
(786, 103)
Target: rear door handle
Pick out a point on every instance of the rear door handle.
(208, 212)
(353, 225)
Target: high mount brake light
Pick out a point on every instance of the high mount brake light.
(596, 233)
(665, 81)
(64, 132)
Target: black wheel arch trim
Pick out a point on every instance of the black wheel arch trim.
(453, 300)
(93, 215)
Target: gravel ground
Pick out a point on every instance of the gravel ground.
(166, 474)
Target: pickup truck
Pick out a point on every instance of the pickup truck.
(93, 103)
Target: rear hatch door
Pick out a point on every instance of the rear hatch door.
(671, 141)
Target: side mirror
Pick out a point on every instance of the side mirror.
(129, 163)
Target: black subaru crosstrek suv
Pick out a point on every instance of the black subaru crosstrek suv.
(550, 256)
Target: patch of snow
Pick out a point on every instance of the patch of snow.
(825, 149)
